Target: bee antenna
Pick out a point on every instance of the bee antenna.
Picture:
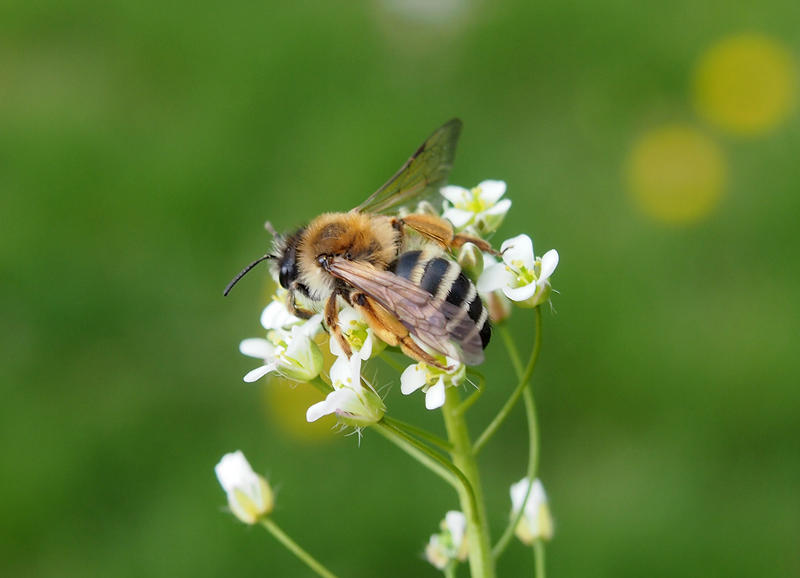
(244, 272)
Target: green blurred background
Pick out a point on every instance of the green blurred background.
(143, 144)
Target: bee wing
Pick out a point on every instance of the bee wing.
(423, 173)
(440, 325)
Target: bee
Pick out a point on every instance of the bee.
(405, 286)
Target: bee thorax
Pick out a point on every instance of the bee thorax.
(351, 236)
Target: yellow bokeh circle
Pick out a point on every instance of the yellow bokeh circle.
(676, 174)
(745, 84)
(286, 404)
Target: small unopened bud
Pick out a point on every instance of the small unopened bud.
(470, 259)
(450, 544)
(426, 208)
(536, 522)
(249, 495)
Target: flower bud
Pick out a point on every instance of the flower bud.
(249, 495)
(536, 522)
(450, 544)
(470, 259)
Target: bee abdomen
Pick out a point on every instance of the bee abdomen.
(444, 280)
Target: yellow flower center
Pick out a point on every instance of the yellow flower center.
(356, 335)
(476, 204)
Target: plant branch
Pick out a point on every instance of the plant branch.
(538, 550)
(481, 562)
(425, 455)
(533, 448)
(420, 433)
(295, 549)
(515, 395)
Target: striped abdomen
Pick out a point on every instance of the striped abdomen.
(443, 279)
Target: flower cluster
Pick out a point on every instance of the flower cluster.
(292, 346)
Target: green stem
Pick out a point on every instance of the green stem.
(450, 570)
(538, 551)
(295, 549)
(472, 505)
(320, 384)
(533, 446)
(419, 432)
(424, 455)
(515, 395)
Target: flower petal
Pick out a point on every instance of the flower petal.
(335, 348)
(456, 523)
(518, 492)
(434, 397)
(312, 325)
(257, 347)
(346, 372)
(321, 408)
(459, 217)
(366, 350)
(456, 195)
(277, 316)
(259, 372)
(491, 191)
(500, 208)
(521, 293)
(412, 378)
(518, 249)
(549, 264)
(234, 470)
(493, 278)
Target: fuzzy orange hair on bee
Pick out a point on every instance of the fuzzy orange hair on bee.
(407, 288)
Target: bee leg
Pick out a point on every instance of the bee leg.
(291, 305)
(332, 322)
(441, 231)
(461, 239)
(389, 329)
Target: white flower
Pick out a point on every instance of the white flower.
(353, 404)
(432, 380)
(449, 544)
(290, 353)
(522, 277)
(498, 305)
(480, 206)
(358, 334)
(249, 495)
(536, 522)
(276, 315)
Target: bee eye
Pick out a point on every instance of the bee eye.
(285, 274)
